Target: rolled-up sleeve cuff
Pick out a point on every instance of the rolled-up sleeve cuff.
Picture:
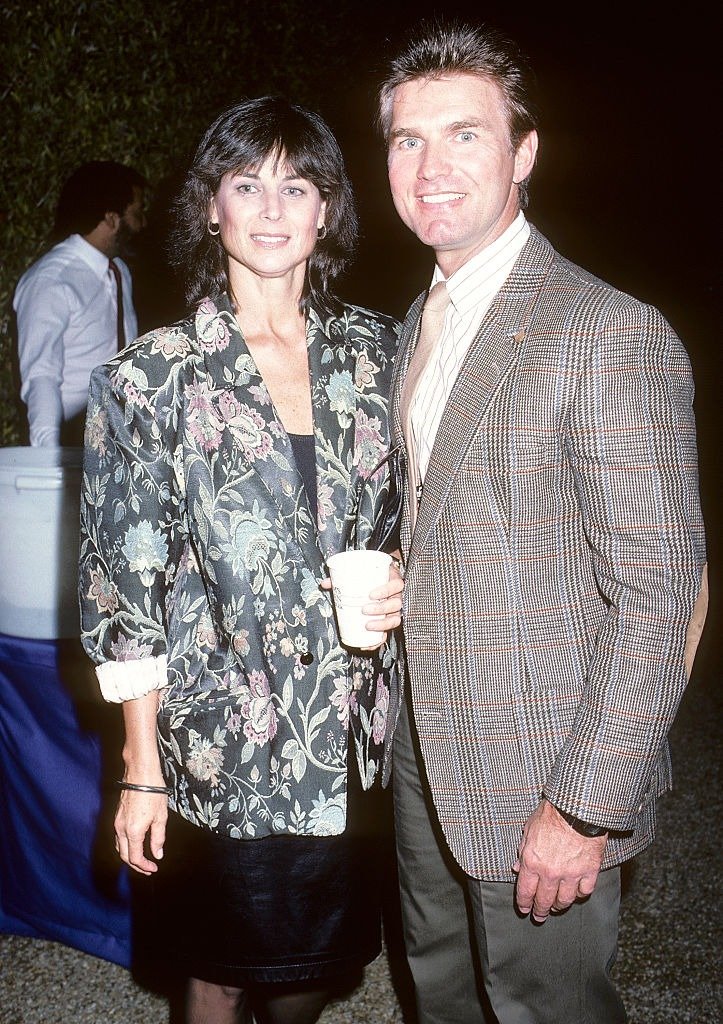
(128, 680)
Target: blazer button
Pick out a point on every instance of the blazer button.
(306, 658)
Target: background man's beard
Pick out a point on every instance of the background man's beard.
(126, 241)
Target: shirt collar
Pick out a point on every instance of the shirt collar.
(466, 285)
(96, 260)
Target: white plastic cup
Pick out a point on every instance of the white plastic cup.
(354, 574)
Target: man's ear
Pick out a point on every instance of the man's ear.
(525, 156)
(112, 220)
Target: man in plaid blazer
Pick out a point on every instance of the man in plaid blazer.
(555, 563)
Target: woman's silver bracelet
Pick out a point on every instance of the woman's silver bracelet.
(144, 789)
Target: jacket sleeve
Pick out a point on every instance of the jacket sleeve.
(631, 442)
(131, 536)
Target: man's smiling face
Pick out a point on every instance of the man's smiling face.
(452, 169)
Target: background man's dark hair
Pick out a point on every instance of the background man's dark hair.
(91, 191)
(437, 48)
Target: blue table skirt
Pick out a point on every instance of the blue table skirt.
(59, 876)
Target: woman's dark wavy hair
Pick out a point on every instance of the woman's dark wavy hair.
(241, 139)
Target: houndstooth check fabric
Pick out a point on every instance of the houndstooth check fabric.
(555, 565)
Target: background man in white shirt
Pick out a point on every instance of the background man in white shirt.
(68, 320)
(555, 562)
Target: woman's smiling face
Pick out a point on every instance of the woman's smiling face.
(268, 219)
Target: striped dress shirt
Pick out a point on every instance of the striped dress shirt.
(471, 289)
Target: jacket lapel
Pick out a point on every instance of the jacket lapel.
(263, 445)
(332, 367)
(409, 338)
(492, 356)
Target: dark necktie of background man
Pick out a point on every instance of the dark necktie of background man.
(119, 325)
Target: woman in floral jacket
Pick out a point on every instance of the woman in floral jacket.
(227, 457)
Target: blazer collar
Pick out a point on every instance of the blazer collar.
(221, 345)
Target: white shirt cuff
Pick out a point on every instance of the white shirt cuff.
(128, 680)
(45, 411)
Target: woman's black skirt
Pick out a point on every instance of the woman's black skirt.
(278, 909)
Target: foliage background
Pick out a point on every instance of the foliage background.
(125, 80)
(623, 184)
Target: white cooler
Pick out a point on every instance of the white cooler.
(39, 510)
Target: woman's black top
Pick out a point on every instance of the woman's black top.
(305, 457)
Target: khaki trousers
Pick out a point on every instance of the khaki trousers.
(473, 958)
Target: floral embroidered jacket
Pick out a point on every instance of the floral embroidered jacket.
(199, 556)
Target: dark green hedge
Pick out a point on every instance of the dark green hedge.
(135, 82)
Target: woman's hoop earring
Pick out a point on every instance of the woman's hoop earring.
(212, 224)
(321, 233)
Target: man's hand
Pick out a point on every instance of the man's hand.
(386, 603)
(384, 611)
(555, 865)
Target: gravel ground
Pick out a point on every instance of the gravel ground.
(669, 968)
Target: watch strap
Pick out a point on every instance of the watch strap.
(583, 828)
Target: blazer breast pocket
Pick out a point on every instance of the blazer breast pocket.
(501, 458)
(532, 455)
(514, 477)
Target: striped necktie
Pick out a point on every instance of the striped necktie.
(431, 330)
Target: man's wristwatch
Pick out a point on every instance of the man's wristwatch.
(583, 828)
